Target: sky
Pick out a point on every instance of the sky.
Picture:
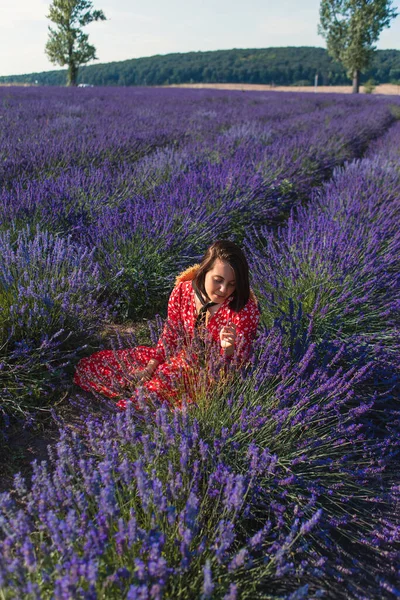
(136, 28)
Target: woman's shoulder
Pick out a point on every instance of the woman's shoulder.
(183, 286)
(188, 275)
(182, 289)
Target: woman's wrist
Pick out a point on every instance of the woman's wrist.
(151, 366)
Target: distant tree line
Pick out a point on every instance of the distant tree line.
(273, 66)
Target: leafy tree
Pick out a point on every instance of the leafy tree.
(67, 44)
(351, 27)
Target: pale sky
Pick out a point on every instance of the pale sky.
(136, 29)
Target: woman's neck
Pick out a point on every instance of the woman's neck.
(211, 310)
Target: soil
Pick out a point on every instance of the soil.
(23, 445)
(386, 88)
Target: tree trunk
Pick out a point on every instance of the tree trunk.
(72, 74)
(356, 82)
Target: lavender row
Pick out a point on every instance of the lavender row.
(45, 132)
(322, 138)
(336, 262)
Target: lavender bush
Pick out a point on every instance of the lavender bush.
(142, 523)
(337, 261)
(49, 306)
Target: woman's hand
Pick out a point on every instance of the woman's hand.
(142, 375)
(147, 373)
(227, 337)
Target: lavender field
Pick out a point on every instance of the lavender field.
(282, 482)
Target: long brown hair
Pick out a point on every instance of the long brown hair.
(230, 253)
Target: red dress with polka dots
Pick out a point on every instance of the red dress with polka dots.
(180, 358)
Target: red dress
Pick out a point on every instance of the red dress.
(180, 358)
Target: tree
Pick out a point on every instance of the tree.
(67, 44)
(351, 27)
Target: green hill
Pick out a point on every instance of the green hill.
(279, 66)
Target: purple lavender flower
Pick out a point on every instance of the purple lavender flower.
(208, 585)
(233, 592)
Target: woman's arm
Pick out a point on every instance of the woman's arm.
(169, 339)
(147, 373)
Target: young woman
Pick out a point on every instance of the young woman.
(212, 315)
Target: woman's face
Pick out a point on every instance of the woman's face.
(220, 282)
